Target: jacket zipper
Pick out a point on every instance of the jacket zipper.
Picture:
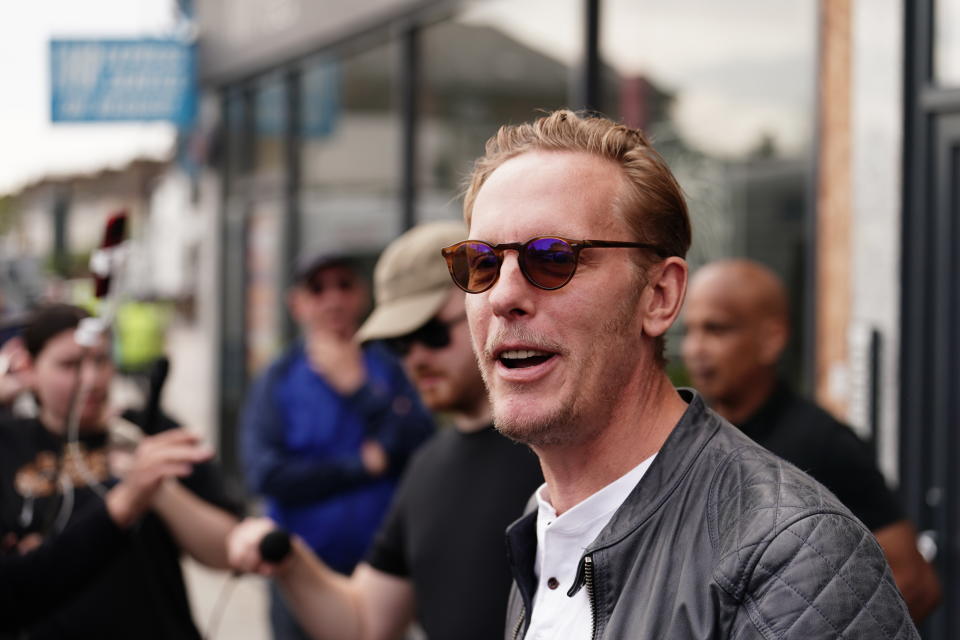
(588, 583)
(519, 625)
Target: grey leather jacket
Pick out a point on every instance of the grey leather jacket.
(722, 539)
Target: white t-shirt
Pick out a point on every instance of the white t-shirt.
(561, 541)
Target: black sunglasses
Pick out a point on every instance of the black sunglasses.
(547, 262)
(317, 286)
(435, 334)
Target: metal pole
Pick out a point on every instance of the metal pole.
(292, 184)
(409, 103)
(590, 73)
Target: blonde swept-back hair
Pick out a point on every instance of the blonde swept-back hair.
(652, 206)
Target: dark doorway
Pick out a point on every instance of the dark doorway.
(930, 340)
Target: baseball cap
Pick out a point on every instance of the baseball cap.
(411, 281)
(311, 261)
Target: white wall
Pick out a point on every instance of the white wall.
(877, 140)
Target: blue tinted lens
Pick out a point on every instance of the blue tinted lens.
(549, 262)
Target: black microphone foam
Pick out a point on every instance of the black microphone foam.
(275, 546)
(158, 376)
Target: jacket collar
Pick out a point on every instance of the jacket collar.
(678, 454)
(522, 554)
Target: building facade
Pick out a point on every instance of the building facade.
(341, 125)
(820, 137)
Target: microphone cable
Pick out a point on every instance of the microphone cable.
(220, 605)
(274, 548)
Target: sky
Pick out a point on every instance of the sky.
(947, 42)
(740, 68)
(33, 147)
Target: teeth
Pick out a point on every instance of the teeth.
(521, 354)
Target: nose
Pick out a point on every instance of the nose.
(416, 356)
(91, 372)
(512, 295)
(333, 294)
(88, 368)
(336, 299)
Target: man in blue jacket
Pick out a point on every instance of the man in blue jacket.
(329, 426)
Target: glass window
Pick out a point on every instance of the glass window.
(351, 152)
(496, 62)
(233, 356)
(233, 241)
(235, 138)
(946, 43)
(726, 92)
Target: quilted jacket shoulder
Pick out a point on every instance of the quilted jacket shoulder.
(793, 556)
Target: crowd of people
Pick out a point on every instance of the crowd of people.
(571, 492)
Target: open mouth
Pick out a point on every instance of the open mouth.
(523, 358)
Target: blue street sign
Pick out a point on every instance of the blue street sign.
(123, 81)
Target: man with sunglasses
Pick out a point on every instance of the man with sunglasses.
(658, 518)
(329, 426)
(439, 556)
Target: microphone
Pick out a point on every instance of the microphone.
(102, 261)
(151, 410)
(275, 546)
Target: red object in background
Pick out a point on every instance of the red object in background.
(114, 234)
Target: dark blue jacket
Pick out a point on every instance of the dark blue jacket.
(300, 445)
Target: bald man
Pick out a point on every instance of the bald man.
(737, 326)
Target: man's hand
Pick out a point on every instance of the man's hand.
(14, 362)
(367, 604)
(170, 454)
(243, 546)
(28, 543)
(374, 457)
(339, 360)
(915, 577)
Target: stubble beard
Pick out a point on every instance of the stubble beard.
(586, 409)
(459, 393)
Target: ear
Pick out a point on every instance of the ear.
(663, 297)
(24, 368)
(773, 340)
(295, 303)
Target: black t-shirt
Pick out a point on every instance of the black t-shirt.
(140, 592)
(75, 557)
(807, 436)
(445, 530)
